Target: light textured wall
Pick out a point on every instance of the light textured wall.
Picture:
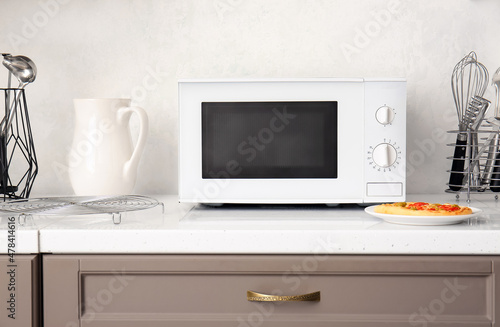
(139, 49)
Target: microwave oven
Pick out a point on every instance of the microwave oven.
(292, 141)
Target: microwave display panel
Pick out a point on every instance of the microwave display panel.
(293, 139)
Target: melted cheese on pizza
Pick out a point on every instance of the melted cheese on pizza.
(422, 209)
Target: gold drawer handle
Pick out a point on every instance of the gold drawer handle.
(259, 297)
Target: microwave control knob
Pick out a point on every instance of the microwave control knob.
(384, 155)
(385, 115)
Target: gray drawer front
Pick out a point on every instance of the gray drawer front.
(211, 290)
(24, 286)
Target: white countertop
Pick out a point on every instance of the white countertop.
(185, 228)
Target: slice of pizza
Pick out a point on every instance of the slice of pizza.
(422, 209)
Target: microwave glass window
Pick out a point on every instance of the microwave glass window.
(269, 139)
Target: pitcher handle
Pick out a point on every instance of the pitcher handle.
(133, 162)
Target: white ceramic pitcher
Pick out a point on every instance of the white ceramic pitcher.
(102, 160)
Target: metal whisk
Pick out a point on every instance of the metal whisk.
(469, 79)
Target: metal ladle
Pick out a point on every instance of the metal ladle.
(492, 168)
(9, 81)
(24, 69)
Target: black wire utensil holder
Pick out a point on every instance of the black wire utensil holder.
(18, 163)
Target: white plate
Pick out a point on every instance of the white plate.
(422, 220)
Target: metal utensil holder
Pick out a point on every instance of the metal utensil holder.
(18, 163)
(477, 154)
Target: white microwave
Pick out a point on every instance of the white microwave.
(292, 141)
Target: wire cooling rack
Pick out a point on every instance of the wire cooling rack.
(80, 205)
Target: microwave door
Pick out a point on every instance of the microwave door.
(270, 140)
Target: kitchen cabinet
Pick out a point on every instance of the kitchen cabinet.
(20, 290)
(211, 290)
